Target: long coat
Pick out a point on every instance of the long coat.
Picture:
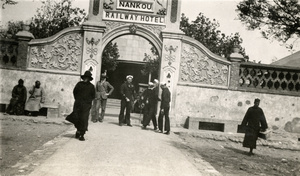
(253, 121)
(37, 96)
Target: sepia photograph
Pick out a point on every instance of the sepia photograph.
(150, 88)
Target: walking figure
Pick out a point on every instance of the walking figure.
(84, 94)
(254, 121)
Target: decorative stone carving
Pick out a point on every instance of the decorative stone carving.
(197, 67)
(91, 50)
(155, 29)
(170, 57)
(63, 54)
(110, 25)
(132, 28)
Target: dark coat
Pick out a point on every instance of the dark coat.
(165, 98)
(128, 90)
(253, 122)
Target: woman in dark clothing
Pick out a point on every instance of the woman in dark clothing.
(254, 121)
(17, 102)
(84, 94)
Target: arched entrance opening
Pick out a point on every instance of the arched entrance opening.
(133, 50)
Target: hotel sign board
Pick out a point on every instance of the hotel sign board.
(138, 11)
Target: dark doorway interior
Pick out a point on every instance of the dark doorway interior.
(118, 77)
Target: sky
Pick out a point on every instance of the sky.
(256, 47)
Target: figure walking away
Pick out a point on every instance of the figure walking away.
(164, 109)
(254, 121)
(102, 94)
(18, 100)
(128, 94)
(37, 96)
(84, 94)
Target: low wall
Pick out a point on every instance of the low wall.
(58, 87)
(281, 111)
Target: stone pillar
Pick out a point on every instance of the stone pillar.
(171, 52)
(236, 58)
(23, 38)
(92, 40)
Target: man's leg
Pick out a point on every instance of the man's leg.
(160, 121)
(153, 117)
(95, 110)
(167, 121)
(122, 109)
(128, 110)
(103, 107)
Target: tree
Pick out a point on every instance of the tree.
(152, 62)
(277, 19)
(109, 57)
(8, 2)
(54, 16)
(206, 31)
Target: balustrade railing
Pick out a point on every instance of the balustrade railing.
(8, 53)
(269, 79)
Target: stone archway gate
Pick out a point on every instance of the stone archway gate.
(185, 62)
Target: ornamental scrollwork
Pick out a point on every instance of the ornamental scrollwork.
(63, 54)
(196, 67)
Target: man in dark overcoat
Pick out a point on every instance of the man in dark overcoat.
(84, 94)
(253, 122)
(149, 98)
(164, 109)
(128, 95)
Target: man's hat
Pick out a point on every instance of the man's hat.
(103, 75)
(150, 84)
(129, 76)
(156, 81)
(87, 74)
(163, 83)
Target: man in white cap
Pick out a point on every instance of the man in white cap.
(149, 99)
(128, 95)
(164, 108)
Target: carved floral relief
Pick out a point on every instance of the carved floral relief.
(196, 67)
(63, 54)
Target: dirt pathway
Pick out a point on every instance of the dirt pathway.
(113, 150)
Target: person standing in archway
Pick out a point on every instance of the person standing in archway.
(149, 98)
(128, 94)
(254, 121)
(102, 94)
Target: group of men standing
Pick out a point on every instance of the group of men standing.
(85, 94)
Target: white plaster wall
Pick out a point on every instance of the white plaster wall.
(232, 105)
(58, 87)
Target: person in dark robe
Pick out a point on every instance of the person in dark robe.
(128, 96)
(18, 100)
(103, 90)
(253, 122)
(164, 109)
(149, 99)
(37, 96)
(84, 94)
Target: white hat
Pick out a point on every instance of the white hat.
(156, 81)
(129, 76)
(150, 84)
(163, 83)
